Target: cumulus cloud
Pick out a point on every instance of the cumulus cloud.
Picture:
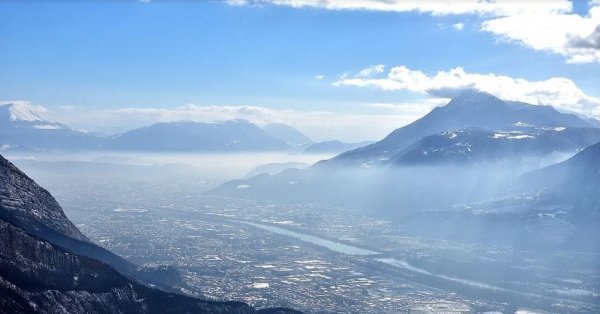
(592, 41)
(574, 36)
(319, 76)
(546, 25)
(559, 92)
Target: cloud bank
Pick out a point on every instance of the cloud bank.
(319, 125)
(559, 92)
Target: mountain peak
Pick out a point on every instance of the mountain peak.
(471, 97)
(22, 111)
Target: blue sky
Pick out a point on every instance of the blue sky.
(98, 56)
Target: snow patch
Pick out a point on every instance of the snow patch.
(512, 135)
(520, 137)
(242, 186)
(449, 134)
(260, 285)
(47, 127)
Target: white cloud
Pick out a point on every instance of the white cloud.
(236, 2)
(546, 25)
(319, 76)
(414, 109)
(559, 92)
(435, 7)
(371, 70)
(574, 36)
(319, 125)
(458, 26)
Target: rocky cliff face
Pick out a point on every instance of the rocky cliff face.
(25, 202)
(48, 266)
(36, 276)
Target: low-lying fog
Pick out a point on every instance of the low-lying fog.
(215, 168)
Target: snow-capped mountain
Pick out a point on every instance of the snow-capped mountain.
(24, 115)
(23, 125)
(468, 109)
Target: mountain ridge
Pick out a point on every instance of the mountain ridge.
(468, 109)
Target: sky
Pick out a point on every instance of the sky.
(352, 70)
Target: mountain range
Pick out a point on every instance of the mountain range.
(232, 135)
(48, 266)
(469, 149)
(23, 129)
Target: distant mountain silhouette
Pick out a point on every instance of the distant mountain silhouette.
(24, 129)
(232, 135)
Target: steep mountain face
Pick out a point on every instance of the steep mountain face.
(233, 135)
(287, 134)
(48, 266)
(21, 124)
(480, 145)
(38, 277)
(573, 184)
(468, 109)
(333, 147)
(26, 203)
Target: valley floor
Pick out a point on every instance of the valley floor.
(309, 256)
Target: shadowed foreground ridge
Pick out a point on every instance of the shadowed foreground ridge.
(44, 275)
